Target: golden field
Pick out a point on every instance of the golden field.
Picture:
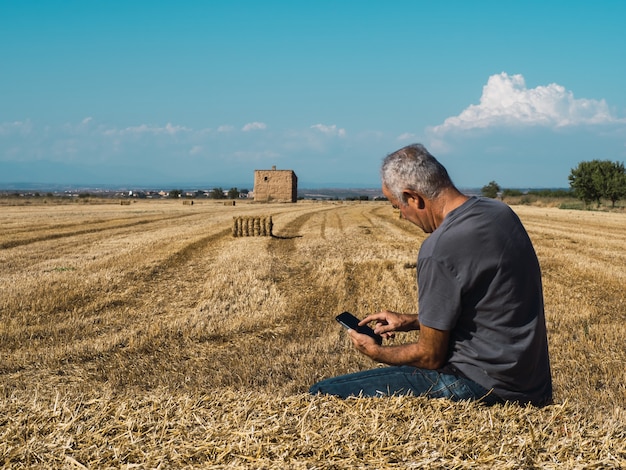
(147, 336)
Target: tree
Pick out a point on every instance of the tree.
(598, 179)
(233, 193)
(176, 193)
(491, 190)
(511, 193)
(616, 183)
(217, 193)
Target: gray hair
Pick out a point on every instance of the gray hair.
(413, 167)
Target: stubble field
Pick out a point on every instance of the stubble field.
(147, 336)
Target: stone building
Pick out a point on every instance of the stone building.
(275, 185)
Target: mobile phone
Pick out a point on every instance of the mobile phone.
(349, 321)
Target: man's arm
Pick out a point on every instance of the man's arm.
(429, 352)
(388, 322)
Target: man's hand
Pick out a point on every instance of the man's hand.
(428, 352)
(364, 343)
(388, 322)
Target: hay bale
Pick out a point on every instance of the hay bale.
(252, 226)
(246, 226)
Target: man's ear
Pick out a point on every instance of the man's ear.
(413, 197)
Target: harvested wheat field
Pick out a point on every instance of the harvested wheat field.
(148, 336)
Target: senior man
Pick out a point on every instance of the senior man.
(480, 307)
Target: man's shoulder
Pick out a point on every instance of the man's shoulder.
(488, 203)
(475, 210)
(479, 221)
(478, 209)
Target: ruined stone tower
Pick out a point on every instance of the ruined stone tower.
(275, 185)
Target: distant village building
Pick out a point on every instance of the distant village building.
(275, 185)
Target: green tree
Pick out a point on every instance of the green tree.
(176, 193)
(616, 183)
(233, 193)
(216, 193)
(511, 193)
(490, 190)
(598, 179)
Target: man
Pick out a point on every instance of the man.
(481, 316)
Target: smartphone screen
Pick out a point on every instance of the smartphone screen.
(351, 322)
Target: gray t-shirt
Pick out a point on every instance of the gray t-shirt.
(479, 278)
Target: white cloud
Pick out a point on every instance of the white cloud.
(407, 136)
(329, 130)
(147, 129)
(506, 101)
(195, 150)
(254, 126)
(16, 127)
(87, 120)
(140, 129)
(225, 128)
(169, 129)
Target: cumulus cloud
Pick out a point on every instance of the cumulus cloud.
(254, 126)
(506, 101)
(329, 130)
(225, 128)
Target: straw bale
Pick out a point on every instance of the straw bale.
(238, 429)
(252, 226)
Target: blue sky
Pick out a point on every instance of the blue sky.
(202, 93)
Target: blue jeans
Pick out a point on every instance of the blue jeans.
(405, 380)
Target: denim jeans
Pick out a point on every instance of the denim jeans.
(405, 380)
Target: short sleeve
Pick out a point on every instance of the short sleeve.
(439, 295)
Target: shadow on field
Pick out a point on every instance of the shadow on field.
(290, 237)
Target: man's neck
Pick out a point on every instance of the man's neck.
(448, 200)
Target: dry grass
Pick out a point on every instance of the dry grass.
(146, 336)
